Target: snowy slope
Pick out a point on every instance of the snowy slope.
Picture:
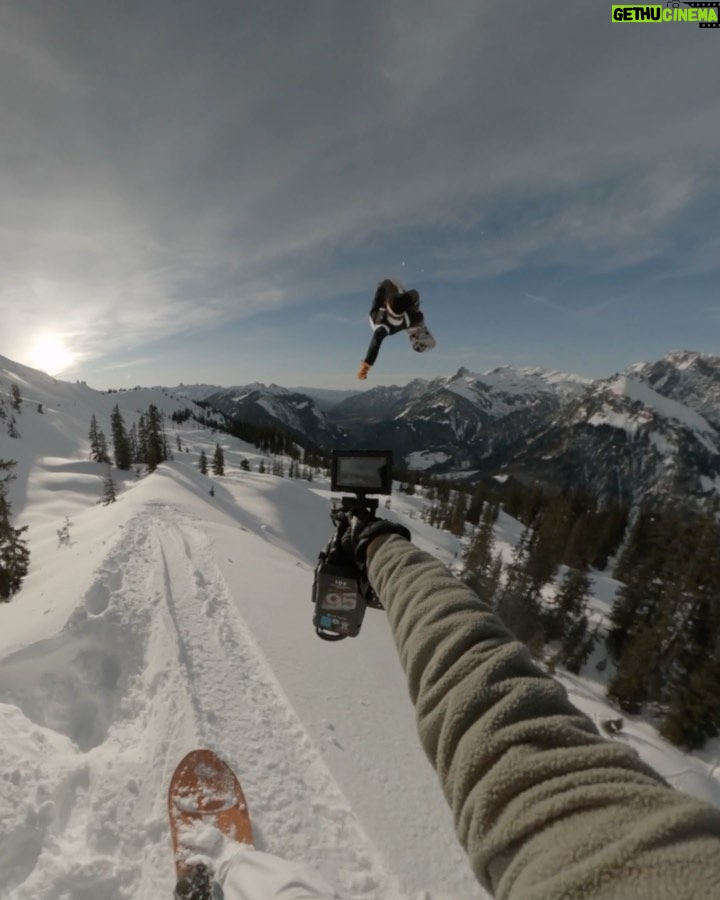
(176, 619)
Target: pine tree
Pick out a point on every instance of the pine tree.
(218, 462)
(567, 615)
(548, 541)
(475, 508)
(203, 463)
(134, 441)
(608, 531)
(694, 712)
(692, 657)
(14, 554)
(494, 578)
(456, 523)
(16, 402)
(479, 560)
(518, 605)
(93, 436)
(156, 445)
(121, 443)
(98, 443)
(142, 439)
(579, 646)
(109, 495)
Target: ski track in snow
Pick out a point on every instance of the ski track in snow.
(156, 648)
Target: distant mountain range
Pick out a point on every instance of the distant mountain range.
(652, 430)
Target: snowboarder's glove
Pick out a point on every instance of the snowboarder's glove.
(363, 371)
(360, 527)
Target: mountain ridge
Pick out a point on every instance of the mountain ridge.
(650, 431)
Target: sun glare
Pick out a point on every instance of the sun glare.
(50, 354)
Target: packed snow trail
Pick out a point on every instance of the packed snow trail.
(154, 662)
(243, 713)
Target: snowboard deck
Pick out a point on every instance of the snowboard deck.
(421, 339)
(204, 789)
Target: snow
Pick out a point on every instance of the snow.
(669, 409)
(709, 485)
(499, 390)
(662, 444)
(424, 459)
(650, 401)
(622, 421)
(174, 619)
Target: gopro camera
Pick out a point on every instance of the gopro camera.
(362, 472)
(340, 591)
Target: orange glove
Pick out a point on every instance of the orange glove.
(363, 371)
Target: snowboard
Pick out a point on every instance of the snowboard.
(420, 338)
(204, 790)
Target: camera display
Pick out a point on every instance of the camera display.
(362, 471)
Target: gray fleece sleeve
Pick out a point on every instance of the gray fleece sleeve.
(545, 808)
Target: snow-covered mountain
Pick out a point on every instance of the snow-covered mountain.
(195, 391)
(692, 379)
(652, 432)
(624, 442)
(649, 433)
(325, 398)
(277, 407)
(462, 419)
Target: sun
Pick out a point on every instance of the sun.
(50, 354)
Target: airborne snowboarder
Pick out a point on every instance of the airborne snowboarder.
(393, 310)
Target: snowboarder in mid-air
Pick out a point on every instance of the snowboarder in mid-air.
(393, 310)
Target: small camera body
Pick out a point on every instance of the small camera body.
(339, 602)
(340, 592)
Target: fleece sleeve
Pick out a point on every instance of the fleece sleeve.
(545, 808)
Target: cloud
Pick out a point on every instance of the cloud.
(174, 166)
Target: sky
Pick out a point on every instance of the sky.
(209, 193)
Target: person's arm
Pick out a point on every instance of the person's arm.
(545, 808)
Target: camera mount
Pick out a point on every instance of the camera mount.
(341, 592)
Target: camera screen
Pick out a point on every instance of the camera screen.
(358, 471)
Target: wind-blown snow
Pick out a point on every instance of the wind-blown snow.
(175, 619)
(650, 403)
(669, 409)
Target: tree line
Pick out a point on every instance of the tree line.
(664, 631)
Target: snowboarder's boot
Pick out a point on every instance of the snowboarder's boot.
(196, 885)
